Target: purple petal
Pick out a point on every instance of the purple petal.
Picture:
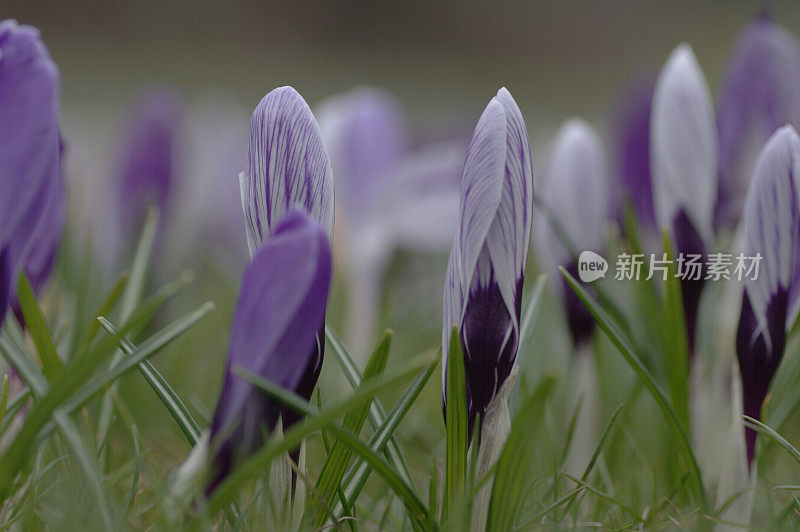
(632, 148)
(279, 313)
(287, 166)
(759, 94)
(683, 144)
(365, 133)
(29, 144)
(147, 158)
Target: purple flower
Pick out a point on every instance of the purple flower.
(683, 155)
(487, 262)
(277, 321)
(147, 160)
(30, 150)
(574, 191)
(632, 150)
(759, 94)
(771, 300)
(287, 165)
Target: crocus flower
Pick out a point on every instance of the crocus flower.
(287, 165)
(147, 159)
(632, 151)
(485, 273)
(574, 191)
(683, 155)
(30, 150)
(771, 300)
(758, 95)
(279, 312)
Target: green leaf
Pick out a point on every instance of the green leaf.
(357, 476)
(764, 429)
(376, 412)
(508, 490)
(456, 432)
(676, 346)
(51, 364)
(169, 398)
(105, 309)
(613, 332)
(334, 468)
(254, 465)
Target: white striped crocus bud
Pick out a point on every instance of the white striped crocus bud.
(574, 191)
(485, 274)
(771, 298)
(287, 166)
(683, 151)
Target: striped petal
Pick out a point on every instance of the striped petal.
(683, 145)
(275, 334)
(771, 228)
(287, 166)
(759, 94)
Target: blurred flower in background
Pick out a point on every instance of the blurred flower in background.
(758, 95)
(388, 195)
(31, 186)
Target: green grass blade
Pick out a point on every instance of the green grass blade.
(377, 413)
(37, 327)
(768, 431)
(162, 389)
(456, 431)
(141, 259)
(334, 468)
(357, 476)
(105, 308)
(613, 332)
(253, 466)
(676, 346)
(508, 489)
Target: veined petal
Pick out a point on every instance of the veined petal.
(279, 313)
(365, 133)
(683, 145)
(759, 94)
(481, 187)
(287, 165)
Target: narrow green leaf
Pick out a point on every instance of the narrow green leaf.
(169, 398)
(764, 429)
(456, 431)
(4, 400)
(357, 476)
(376, 411)
(136, 465)
(508, 490)
(676, 346)
(105, 309)
(34, 321)
(613, 332)
(312, 422)
(334, 468)
(141, 259)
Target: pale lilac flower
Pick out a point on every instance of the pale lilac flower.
(771, 300)
(485, 273)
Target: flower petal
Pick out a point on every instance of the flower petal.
(684, 144)
(279, 313)
(287, 165)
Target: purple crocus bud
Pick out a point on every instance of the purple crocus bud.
(632, 150)
(287, 165)
(279, 313)
(147, 159)
(365, 133)
(30, 153)
(575, 192)
(485, 274)
(683, 155)
(771, 299)
(758, 95)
